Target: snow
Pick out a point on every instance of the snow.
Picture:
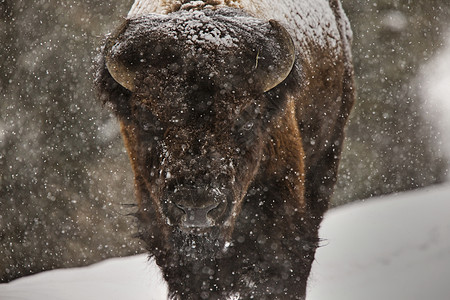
(305, 19)
(132, 277)
(195, 28)
(393, 247)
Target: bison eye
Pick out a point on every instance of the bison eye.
(245, 137)
(248, 126)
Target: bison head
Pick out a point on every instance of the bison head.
(194, 92)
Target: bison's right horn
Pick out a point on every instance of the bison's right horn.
(226, 48)
(278, 64)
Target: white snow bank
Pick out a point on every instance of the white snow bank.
(131, 278)
(395, 247)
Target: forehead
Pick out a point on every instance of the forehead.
(189, 95)
(223, 49)
(189, 51)
(196, 108)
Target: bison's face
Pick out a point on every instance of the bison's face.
(194, 105)
(196, 152)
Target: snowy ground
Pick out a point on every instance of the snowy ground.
(131, 278)
(396, 247)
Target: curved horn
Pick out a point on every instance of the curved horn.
(116, 65)
(121, 73)
(276, 71)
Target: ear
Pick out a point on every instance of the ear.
(237, 51)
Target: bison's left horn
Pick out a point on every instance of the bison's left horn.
(117, 67)
(123, 75)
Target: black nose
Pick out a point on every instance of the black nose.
(197, 217)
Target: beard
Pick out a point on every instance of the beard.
(198, 246)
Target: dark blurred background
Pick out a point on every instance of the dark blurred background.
(65, 180)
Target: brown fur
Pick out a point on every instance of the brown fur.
(272, 155)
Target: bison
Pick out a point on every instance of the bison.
(233, 115)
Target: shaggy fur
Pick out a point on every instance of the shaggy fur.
(200, 134)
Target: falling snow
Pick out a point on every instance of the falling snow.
(66, 187)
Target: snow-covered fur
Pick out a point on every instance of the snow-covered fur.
(233, 114)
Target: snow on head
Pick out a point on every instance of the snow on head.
(142, 7)
(304, 19)
(199, 28)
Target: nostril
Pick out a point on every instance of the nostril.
(183, 208)
(212, 207)
(217, 212)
